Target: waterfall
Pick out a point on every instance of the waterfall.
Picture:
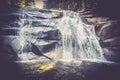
(78, 40)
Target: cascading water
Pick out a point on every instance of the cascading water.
(77, 38)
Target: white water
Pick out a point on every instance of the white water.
(78, 39)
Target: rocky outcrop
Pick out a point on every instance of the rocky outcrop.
(109, 35)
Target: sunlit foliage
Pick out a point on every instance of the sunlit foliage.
(22, 3)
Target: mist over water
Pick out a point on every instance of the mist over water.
(77, 39)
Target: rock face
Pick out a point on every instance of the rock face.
(110, 40)
(74, 5)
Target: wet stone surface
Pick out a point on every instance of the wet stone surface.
(71, 70)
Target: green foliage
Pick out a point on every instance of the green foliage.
(22, 3)
(30, 3)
